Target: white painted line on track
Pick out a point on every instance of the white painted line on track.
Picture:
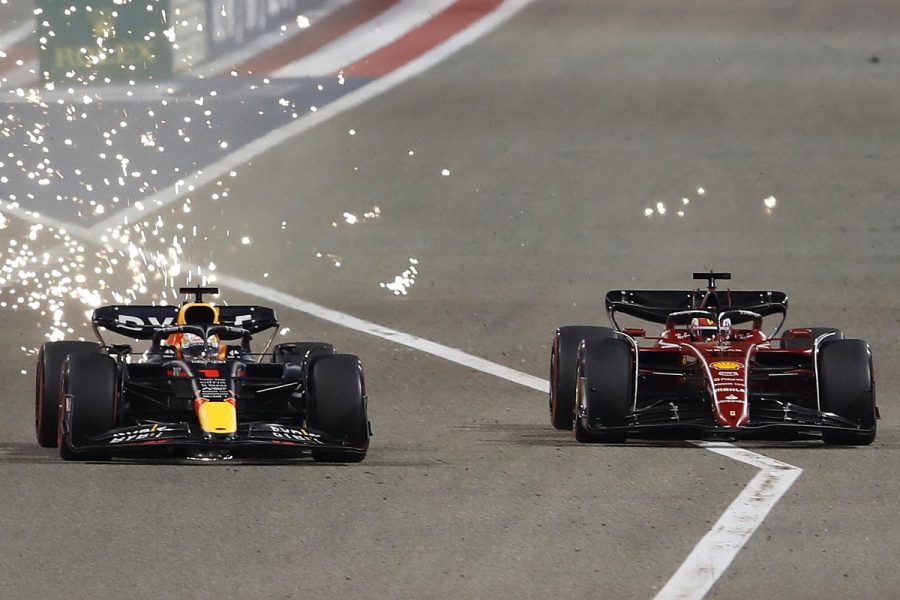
(712, 554)
(365, 39)
(404, 339)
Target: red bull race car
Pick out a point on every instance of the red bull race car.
(712, 372)
(199, 390)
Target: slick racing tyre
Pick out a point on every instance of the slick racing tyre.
(89, 385)
(51, 357)
(847, 389)
(337, 406)
(605, 380)
(563, 358)
(815, 332)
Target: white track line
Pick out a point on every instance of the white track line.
(404, 339)
(712, 554)
(365, 39)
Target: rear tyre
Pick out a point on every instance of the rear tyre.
(605, 390)
(337, 406)
(48, 373)
(563, 360)
(89, 385)
(815, 332)
(847, 389)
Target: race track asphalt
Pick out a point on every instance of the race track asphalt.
(559, 130)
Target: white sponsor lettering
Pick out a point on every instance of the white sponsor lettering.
(145, 433)
(133, 322)
(731, 397)
(296, 435)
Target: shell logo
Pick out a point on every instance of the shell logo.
(726, 365)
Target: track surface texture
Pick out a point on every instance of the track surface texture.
(558, 130)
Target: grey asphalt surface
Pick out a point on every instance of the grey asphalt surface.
(558, 131)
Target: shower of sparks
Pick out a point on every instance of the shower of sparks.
(335, 260)
(404, 281)
(85, 148)
(352, 219)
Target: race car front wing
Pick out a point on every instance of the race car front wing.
(768, 417)
(256, 434)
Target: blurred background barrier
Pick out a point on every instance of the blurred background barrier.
(93, 41)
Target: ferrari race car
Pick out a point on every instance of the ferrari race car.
(712, 372)
(194, 394)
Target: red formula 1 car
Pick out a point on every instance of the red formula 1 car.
(711, 372)
(193, 394)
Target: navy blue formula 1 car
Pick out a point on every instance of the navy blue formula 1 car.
(711, 372)
(199, 390)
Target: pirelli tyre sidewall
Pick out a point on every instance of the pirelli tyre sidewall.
(90, 386)
(48, 376)
(847, 389)
(563, 359)
(605, 392)
(337, 406)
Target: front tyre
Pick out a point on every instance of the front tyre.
(337, 406)
(563, 359)
(90, 388)
(605, 391)
(48, 376)
(847, 389)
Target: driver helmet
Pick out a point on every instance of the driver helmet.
(194, 346)
(725, 328)
(703, 328)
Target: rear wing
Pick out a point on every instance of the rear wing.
(141, 321)
(655, 306)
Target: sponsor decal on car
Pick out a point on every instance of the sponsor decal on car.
(138, 435)
(294, 435)
(726, 365)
